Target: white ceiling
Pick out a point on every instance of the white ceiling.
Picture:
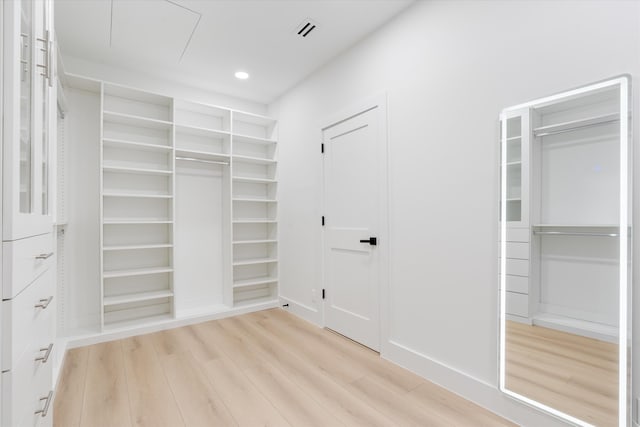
(202, 43)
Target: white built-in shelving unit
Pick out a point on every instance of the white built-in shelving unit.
(188, 208)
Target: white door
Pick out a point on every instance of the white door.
(353, 155)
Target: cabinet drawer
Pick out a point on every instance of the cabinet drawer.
(517, 267)
(27, 320)
(517, 304)
(518, 284)
(24, 260)
(519, 250)
(22, 389)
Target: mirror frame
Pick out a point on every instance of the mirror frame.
(625, 280)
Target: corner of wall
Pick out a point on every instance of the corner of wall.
(303, 311)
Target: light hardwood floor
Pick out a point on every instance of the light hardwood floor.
(261, 369)
(574, 374)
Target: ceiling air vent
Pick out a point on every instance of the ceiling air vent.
(306, 27)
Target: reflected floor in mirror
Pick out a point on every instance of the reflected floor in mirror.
(574, 374)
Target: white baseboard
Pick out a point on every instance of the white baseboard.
(95, 338)
(309, 314)
(478, 391)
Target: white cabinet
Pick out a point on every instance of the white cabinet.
(28, 258)
(27, 76)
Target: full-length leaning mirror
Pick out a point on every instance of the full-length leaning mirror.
(565, 266)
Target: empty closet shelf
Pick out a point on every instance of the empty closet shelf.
(138, 171)
(249, 199)
(201, 131)
(202, 155)
(139, 196)
(576, 124)
(136, 272)
(253, 139)
(116, 221)
(134, 145)
(254, 180)
(249, 242)
(134, 247)
(255, 221)
(136, 322)
(141, 296)
(133, 120)
(256, 160)
(255, 261)
(254, 282)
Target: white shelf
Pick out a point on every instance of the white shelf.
(136, 323)
(113, 221)
(133, 247)
(132, 120)
(255, 261)
(200, 131)
(138, 171)
(256, 160)
(203, 155)
(254, 282)
(255, 221)
(249, 242)
(249, 199)
(513, 138)
(254, 180)
(576, 124)
(253, 139)
(516, 163)
(136, 272)
(140, 196)
(141, 296)
(514, 199)
(135, 145)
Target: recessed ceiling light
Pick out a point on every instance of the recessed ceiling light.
(242, 75)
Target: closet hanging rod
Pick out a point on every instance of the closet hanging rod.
(575, 233)
(193, 159)
(574, 128)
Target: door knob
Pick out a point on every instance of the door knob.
(373, 241)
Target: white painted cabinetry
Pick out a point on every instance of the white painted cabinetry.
(28, 257)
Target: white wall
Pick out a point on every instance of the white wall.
(125, 77)
(448, 68)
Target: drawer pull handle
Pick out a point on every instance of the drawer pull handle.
(43, 412)
(44, 303)
(44, 256)
(44, 358)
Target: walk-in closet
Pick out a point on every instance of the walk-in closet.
(311, 212)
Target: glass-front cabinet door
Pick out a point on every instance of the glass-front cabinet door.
(27, 75)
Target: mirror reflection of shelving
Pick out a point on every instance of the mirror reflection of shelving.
(576, 228)
(514, 169)
(565, 285)
(137, 207)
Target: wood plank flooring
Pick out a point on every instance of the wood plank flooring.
(261, 369)
(574, 374)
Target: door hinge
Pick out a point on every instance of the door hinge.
(322, 147)
(323, 294)
(323, 220)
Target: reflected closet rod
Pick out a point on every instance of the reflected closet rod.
(573, 233)
(193, 159)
